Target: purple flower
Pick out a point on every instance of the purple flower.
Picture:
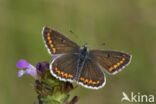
(30, 69)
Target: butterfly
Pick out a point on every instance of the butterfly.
(78, 64)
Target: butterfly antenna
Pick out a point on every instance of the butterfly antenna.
(80, 41)
(97, 45)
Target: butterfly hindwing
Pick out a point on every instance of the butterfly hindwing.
(58, 43)
(112, 61)
(64, 67)
(91, 75)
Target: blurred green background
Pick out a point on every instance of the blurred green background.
(125, 25)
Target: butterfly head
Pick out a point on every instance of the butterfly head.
(85, 47)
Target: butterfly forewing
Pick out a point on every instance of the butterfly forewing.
(112, 61)
(58, 43)
(64, 67)
(91, 75)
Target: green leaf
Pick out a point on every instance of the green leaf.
(58, 98)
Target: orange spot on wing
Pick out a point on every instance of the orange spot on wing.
(70, 76)
(62, 73)
(48, 34)
(90, 81)
(48, 38)
(94, 83)
(81, 79)
(98, 82)
(121, 62)
(51, 45)
(115, 66)
(111, 68)
(123, 59)
(86, 81)
(50, 41)
(118, 63)
(54, 50)
(66, 75)
(58, 72)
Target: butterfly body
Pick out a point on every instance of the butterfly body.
(75, 64)
(83, 55)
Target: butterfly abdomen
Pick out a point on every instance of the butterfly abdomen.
(80, 63)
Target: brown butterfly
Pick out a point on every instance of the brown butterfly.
(73, 63)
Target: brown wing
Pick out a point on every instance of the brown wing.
(112, 61)
(91, 75)
(64, 67)
(58, 43)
